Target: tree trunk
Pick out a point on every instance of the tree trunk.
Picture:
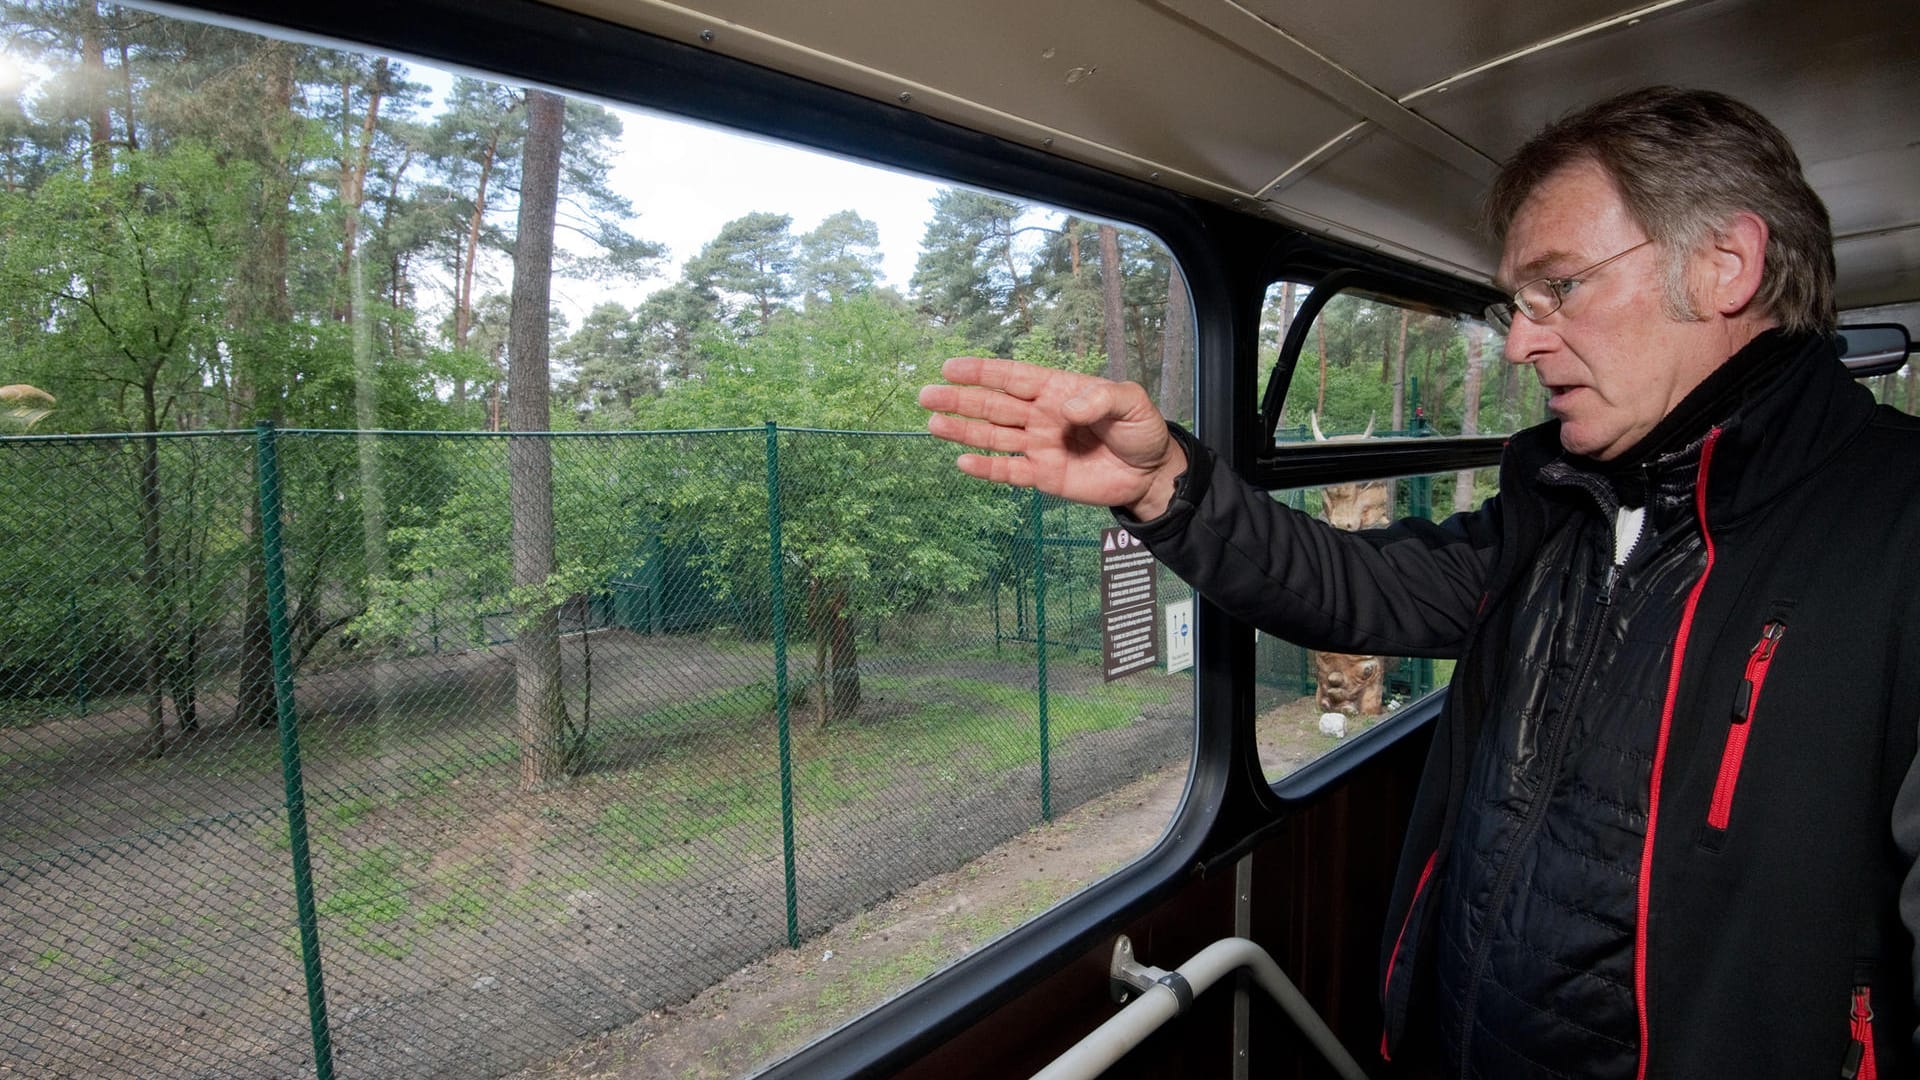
(182, 677)
(1116, 311)
(846, 657)
(816, 615)
(547, 749)
(153, 585)
(1176, 349)
(463, 296)
(126, 87)
(366, 400)
(1400, 376)
(1073, 262)
(93, 60)
(836, 652)
(1463, 498)
(354, 163)
(258, 298)
(1320, 332)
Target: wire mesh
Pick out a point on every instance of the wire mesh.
(548, 787)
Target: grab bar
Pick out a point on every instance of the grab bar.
(1165, 995)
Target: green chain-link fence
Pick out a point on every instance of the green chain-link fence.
(296, 780)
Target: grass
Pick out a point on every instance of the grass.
(713, 789)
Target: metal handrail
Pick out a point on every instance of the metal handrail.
(1165, 995)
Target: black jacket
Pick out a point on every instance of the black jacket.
(1764, 924)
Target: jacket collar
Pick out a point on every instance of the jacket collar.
(1782, 404)
(1788, 430)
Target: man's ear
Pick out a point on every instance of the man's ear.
(1735, 256)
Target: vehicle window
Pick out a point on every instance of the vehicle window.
(1372, 369)
(710, 717)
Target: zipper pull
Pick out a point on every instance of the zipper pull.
(1859, 1063)
(1757, 660)
(1850, 1065)
(1606, 586)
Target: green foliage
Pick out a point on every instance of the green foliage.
(1364, 346)
(200, 227)
(749, 267)
(124, 276)
(970, 275)
(839, 258)
(452, 557)
(878, 519)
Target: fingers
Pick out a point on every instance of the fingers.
(1017, 471)
(1024, 381)
(972, 402)
(1016, 394)
(978, 433)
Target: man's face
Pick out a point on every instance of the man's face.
(1614, 361)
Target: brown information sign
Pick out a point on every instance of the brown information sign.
(1129, 612)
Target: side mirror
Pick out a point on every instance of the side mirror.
(1874, 348)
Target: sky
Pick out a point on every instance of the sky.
(686, 180)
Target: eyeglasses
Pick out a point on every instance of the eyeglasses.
(1541, 297)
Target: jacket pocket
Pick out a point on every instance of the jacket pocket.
(1746, 705)
(1859, 1063)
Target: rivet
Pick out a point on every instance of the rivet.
(1047, 142)
(706, 36)
(905, 97)
(1154, 175)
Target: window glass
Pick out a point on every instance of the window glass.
(703, 720)
(1372, 369)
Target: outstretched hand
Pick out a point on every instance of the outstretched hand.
(1076, 436)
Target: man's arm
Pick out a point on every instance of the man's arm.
(1411, 589)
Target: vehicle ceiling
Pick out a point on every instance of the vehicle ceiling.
(1376, 121)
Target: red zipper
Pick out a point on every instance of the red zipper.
(1386, 986)
(1680, 639)
(1748, 703)
(1859, 1064)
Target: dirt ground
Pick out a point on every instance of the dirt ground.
(468, 931)
(774, 1007)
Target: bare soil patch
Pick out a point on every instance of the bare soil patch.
(773, 1007)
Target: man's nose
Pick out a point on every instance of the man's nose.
(1526, 339)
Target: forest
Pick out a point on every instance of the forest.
(203, 229)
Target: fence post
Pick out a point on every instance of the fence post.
(780, 703)
(1040, 636)
(1422, 500)
(268, 465)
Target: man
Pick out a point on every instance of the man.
(1667, 826)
